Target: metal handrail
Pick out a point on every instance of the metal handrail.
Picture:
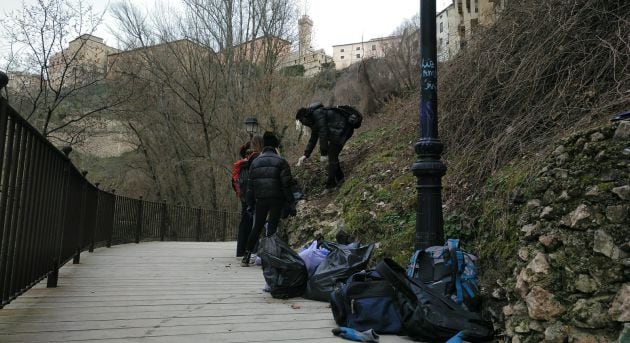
(50, 213)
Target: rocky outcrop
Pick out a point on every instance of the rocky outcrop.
(572, 282)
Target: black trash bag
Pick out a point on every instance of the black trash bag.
(428, 316)
(283, 269)
(341, 262)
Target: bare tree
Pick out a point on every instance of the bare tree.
(204, 69)
(54, 49)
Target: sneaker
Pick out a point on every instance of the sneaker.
(245, 260)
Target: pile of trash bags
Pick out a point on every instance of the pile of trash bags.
(435, 299)
(312, 272)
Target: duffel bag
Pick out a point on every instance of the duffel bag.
(366, 301)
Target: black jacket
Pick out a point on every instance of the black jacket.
(328, 126)
(269, 178)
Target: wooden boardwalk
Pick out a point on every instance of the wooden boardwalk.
(164, 292)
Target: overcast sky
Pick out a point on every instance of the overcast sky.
(334, 21)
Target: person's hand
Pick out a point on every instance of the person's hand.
(323, 158)
(301, 160)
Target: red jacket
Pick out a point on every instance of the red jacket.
(236, 169)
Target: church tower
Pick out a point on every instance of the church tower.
(305, 25)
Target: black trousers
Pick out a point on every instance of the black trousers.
(244, 229)
(268, 210)
(335, 174)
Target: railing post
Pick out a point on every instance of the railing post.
(139, 223)
(53, 275)
(79, 235)
(111, 228)
(198, 233)
(164, 219)
(95, 224)
(224, 225)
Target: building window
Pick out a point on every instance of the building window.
(468, 6)
(373, 47)
(358, 48)
(341, 50)
(476, 6)
(341, 57)
(441, 26)
(358, 55)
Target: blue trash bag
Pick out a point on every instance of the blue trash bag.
(313, 256)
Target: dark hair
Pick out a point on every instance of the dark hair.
(270, 139)
(301, 113)
(244, 150)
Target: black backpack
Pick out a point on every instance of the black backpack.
(354, 117)
(243, 176)
(428, 316)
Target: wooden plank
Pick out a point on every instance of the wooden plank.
(164, 292)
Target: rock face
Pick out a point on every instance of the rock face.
(573, 263)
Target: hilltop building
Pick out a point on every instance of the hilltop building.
(455, 25)
(23, 81)
(163, 55)
(346, 54)
(84, 59)
(460, 21)
(312, 60)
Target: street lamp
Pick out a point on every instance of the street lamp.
(251, 126)
(428, 168)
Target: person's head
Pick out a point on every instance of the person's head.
(244, 150)
(271, 140)
(303, 116)
(257, 143)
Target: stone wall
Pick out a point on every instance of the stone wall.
(571, 283)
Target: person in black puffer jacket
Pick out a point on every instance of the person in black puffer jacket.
(269, 189)
(332, 130)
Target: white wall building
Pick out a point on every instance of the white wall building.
(346, 54)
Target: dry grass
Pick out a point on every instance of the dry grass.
(545, 69)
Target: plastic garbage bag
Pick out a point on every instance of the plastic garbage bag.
(283, 269)
(313, 256)
(341, 262)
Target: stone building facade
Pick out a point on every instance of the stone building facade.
(459, 21)
(84, 60)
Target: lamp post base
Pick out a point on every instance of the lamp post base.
(429, 170)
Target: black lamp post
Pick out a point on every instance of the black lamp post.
(251, 126)
(428, 169)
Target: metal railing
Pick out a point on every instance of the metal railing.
(50, 213)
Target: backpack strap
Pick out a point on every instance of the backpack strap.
(391, 272)
(458, 269)
(411, 270)
(395, 274)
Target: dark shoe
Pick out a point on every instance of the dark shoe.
(245, 260)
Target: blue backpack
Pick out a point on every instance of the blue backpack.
(366, 301)
(449, 271)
